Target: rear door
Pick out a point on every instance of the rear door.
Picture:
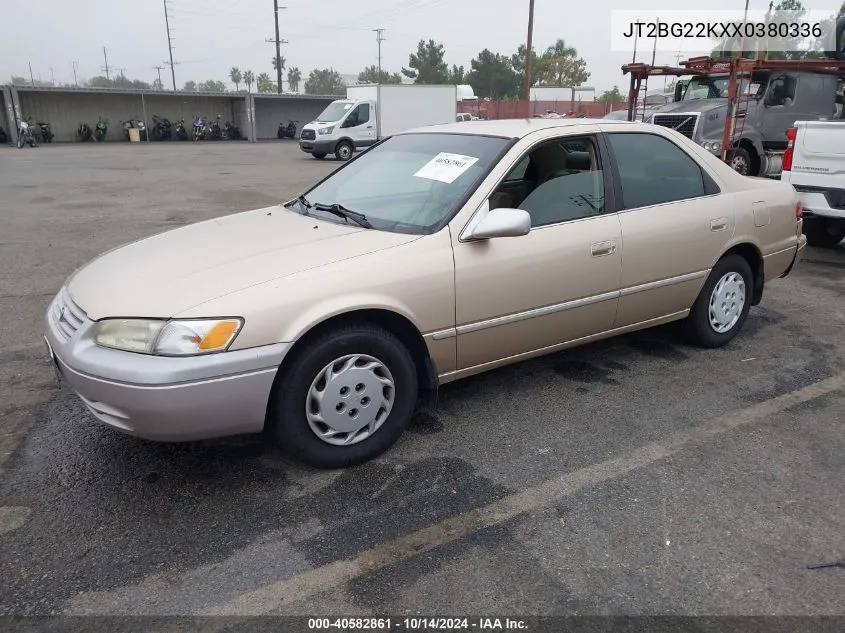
(819, 154)
(674, 225)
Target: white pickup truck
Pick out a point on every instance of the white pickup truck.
(814, 164)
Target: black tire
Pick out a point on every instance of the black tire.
(344, 151)
(318, 155)
(824, 233)
(287, 420)
(699, 329)
(21, 142)
(741, 161)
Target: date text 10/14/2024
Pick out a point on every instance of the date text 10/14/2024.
(416, 624)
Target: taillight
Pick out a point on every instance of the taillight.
(799, 211)
(791, 134)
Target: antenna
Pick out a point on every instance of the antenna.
(171, 63)
(278, 42)
(379, 38)
(106, 67)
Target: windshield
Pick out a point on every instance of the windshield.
(334, 112)
(410, 183)
(706, 88)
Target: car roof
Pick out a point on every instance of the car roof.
(514, 128)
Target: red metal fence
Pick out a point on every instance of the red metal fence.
(522, 109)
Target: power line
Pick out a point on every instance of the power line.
(278, 42)
(379, 39)
(169, 46)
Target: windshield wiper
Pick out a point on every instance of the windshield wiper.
(342, 212)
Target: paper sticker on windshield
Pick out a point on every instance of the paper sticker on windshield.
(446, 167)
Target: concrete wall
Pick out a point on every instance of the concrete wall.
(270, 111)
(65, 110)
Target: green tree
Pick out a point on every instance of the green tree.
(212, 85)
(561, 66)
(190, 86)
(281, 62)
(371, 75)
(611, 96)
(264, 83)
(294, 77)
(326, 81)
(518, 62)
(457, 75)
(249, 79)
(492, 76)
(426, 66)
(236, 77)
(23, 81)
(158, 85)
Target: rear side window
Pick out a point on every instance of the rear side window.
(653, 170)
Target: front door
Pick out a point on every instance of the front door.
(359, 125)
(673, 225)
(559, 283)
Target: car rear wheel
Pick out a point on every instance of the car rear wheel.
(824, 233)
(722, 306)
(345, 397)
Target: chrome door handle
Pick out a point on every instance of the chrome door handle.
(718, 224)
(600, 249)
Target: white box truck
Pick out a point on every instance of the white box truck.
(371, 113)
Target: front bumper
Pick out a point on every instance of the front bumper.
(162, 398)
(317, 146)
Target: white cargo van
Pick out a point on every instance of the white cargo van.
(371, 113)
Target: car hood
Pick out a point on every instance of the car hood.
(163, 275)
(696, 105)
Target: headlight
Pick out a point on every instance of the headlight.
(325, 130)
(712, 146)
(168, 338)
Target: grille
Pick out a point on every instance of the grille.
(683, 123)
(66, 315)
(308, 135)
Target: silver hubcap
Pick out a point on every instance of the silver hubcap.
(739, 164)
(726, 302)
(349, 399)
(345, 152)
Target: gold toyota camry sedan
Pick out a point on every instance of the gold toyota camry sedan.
(439, 253)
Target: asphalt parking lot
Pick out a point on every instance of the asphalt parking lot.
(634, 476)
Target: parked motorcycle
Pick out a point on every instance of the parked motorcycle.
(181, 132)
(162, 128)
(287, 131)
(101, 129)
(25, 133)
(83, 132)
(45, 132)
(232, 132)
(198, 131)
(216, 130)
(134, 123)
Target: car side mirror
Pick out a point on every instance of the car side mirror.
(502, 222)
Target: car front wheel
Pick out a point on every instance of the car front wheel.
(722, 306)
(345, 397)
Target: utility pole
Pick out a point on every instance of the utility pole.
(159, 69)
(169, 45)
(52, 78)
(529, 50)
(278, 42)
(31, 78)
(75, 83)
(106, 67)
(379, 39)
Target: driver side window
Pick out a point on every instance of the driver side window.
(781, 91)
(557, 181)
(358, 116)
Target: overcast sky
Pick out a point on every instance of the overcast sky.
(211, 36)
